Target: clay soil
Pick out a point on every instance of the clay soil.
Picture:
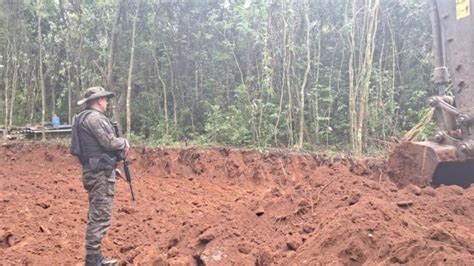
(223, 206)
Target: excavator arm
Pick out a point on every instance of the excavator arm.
(448, 157)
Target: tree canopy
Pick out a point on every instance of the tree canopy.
(344, 74)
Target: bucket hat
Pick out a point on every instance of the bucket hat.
(95, 93)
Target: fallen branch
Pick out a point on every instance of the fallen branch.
(405, 203)
(323, 188)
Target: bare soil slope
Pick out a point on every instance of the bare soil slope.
(232, 207)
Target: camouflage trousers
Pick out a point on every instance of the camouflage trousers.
(100, 186)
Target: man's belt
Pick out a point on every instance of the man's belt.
(103, 162)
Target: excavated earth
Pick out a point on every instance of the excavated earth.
(222, 206)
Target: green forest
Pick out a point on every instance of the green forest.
(305, 74)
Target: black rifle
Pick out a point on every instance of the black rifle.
(121, 157)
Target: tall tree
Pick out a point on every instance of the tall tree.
(130, 71)
(111, 55)
(362, 40)
(305, 76)
(40, 70)
(6, 84)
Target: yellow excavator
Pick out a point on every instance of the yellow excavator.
(448, 157)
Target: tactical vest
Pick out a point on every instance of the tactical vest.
(84, 144)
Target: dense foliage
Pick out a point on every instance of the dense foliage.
(282, 73)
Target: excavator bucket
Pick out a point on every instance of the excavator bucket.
(449, 158)
(429, 163)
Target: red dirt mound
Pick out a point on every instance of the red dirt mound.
(232, 207)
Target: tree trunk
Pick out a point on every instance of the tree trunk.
(314, 107)
(394, 73)
(267, 73)
(359, 83)
(283, 77)
(195, 99)
(16, 66)
(41, 75)
(33, 96)
(130, 73)
(289, 118)
(160, 76)
(53, 99)
(68, 67)
(6, 84)
(175, 108)
(111, 57)
(367, 72)
(350, 64)
(165, 92)
(69, 96)
(305, 77)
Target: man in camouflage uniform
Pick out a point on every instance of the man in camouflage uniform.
(95, 143)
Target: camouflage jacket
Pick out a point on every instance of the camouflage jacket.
(94, 135)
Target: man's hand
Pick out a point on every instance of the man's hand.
(126, 150)
(118, 173)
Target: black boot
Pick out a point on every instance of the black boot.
(105, 261)
(92, 260)
(99, 260)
